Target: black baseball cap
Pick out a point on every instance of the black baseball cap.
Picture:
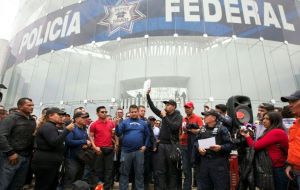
(267, 106)
(293, 97)
(81, 114)
(221, 107)
(53, 110)
(172, 102)
(151, 118)
(210, 112)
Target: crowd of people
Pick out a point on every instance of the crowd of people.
(59, 152)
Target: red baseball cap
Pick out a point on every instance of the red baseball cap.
(189, 105)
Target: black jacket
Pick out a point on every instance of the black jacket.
(16, 134)
(49, 144)
(170, 124)
(222, 136)
(227, 122)
(152, 141)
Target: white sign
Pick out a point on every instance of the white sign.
(207, 143)
(235, 11)
(147, 85)
(60, 27)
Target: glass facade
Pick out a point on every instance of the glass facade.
(193, 68)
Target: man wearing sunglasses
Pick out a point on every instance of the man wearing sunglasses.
(101, 135)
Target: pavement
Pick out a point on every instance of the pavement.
(116, 187)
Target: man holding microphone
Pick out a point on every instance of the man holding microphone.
(165, 167)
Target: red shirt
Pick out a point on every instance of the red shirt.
(102, 130)
(276, 143)
(193, 119)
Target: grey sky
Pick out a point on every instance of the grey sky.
(8, 10)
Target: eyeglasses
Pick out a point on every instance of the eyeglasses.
(103, 111)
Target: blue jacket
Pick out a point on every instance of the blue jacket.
(135, 134)
(75, 140)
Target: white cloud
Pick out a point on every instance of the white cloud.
(8, 11)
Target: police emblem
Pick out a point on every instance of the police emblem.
(122, 16)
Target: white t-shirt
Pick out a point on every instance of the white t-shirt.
(156, 131)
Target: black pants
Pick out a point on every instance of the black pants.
(46, 175)
(73, 171)
(29, 176)
(103, 167)
(213, 173)
(117, 164)
(148, 168)
(165, 168)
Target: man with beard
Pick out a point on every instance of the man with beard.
(165, 167)
(135, 134)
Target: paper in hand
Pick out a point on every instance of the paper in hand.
(147, 85)
(207, 143)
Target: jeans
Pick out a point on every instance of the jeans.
(280, 178)
(103, 167)
(187, 168)
(127, 160)
(73, 171)
(12, 177)
(165, 169)
(213, 173)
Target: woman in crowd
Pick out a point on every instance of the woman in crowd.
(275, 141)
(49, 150)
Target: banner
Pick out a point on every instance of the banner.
(105, 20)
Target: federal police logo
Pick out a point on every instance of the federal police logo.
(122, 16)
